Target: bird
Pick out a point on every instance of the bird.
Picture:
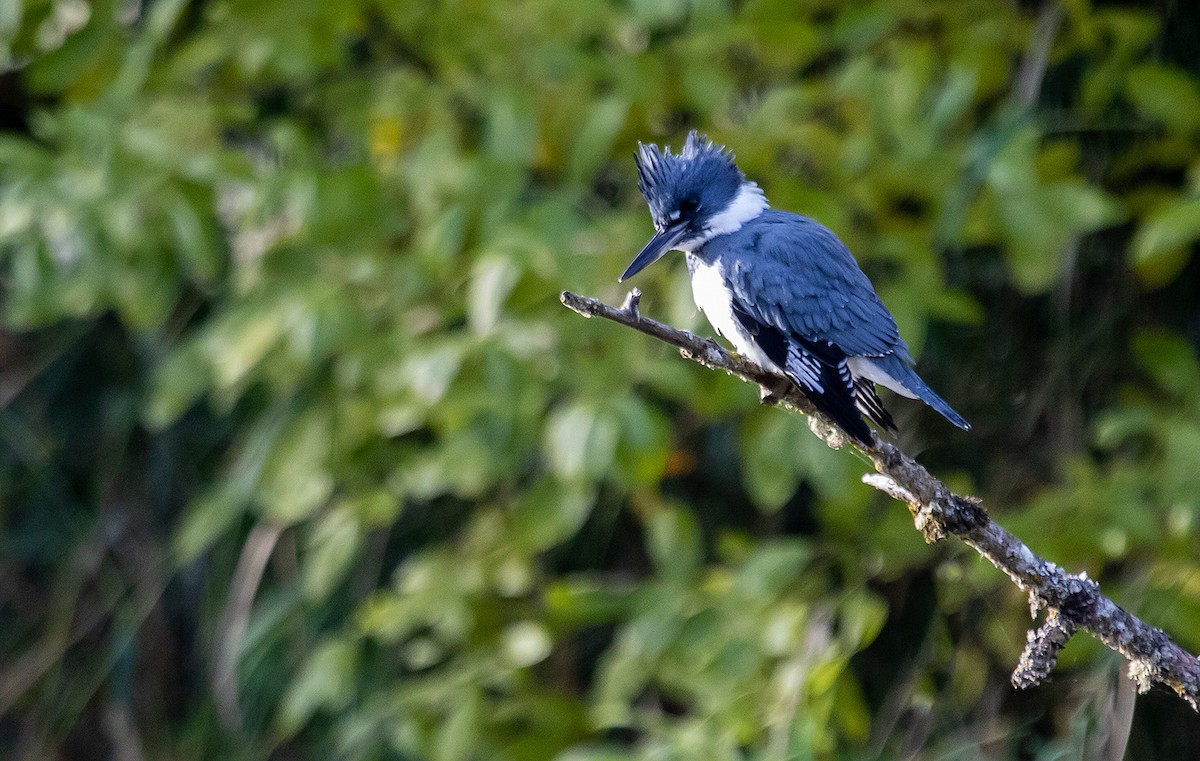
(782, 288)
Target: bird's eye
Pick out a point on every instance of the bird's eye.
(689, 205)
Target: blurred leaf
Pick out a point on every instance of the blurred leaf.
(861, 617)
(526, 643)
(180, 380)
(1164, 94)
(851, 711)
(658, 12)
(208, 517)
(585, 601)
(491, 282)
(296, 480)
(955, 307)
(550, 512)
(1160, 245)
(624, 669)
(460, 733)
(772, 567)
(644, 450)
(326, 681)
(376, 508)
(675, 543)
(1042, 222)
(1116, 425)
(333, 544)
(595, 139)
(580, 440)
(769, 445)
(430, 372)
(512, 130)
(240, 342)
(596, 753)
(1170, 360)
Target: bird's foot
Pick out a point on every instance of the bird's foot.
(773, 394)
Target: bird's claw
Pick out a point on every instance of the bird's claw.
(772, 395)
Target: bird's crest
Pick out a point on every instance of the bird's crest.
(664, 176)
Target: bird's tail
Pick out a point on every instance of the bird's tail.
(907, 377)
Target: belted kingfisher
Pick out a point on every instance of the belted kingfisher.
(782, 288)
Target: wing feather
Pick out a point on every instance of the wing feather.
(806, 282)
(804, 293)
(819, 369)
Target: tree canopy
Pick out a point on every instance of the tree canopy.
(301, 458)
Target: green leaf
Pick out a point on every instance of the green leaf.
(430, 371)
(1164, 94)
(862, 616)
(179, 381)
(658, 12)
(195, 237)
(1041, 221)
(645, 441)
(772, 567)
(241, 339)
(769, 443)
(550, 512)
(526, 643)
(1114, 426)
(597, 753)
(375, 508)
(512, 127)
(1160, 246)
(625, 668)
(333, 544)
(576, 601)
(852, 712)
(1170, 360)
(327, 680)
(580, 440)
(675, 543)
(459, 733)
(296, 479)
(206, 519)
(594, 140)
(492, 279)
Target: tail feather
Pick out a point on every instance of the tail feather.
(907, 377)
(869, 404)
(833, 399)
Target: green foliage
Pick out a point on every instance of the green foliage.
(295, 265)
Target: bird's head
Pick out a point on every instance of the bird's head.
(692, 195)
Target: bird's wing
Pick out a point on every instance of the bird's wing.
(805, 282)
(806, 285)
(818, 368)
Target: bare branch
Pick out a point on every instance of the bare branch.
(1073, 602)
(1028, 80)
(235, 619)
(1042, 646)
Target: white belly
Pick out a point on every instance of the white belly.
(863, 367)
(712, 296)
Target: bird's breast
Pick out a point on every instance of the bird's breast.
(711, 292)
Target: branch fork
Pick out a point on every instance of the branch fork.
(1073, 602)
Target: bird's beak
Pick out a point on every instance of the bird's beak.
(654, 250)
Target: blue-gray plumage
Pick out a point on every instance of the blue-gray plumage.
(782, 288)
